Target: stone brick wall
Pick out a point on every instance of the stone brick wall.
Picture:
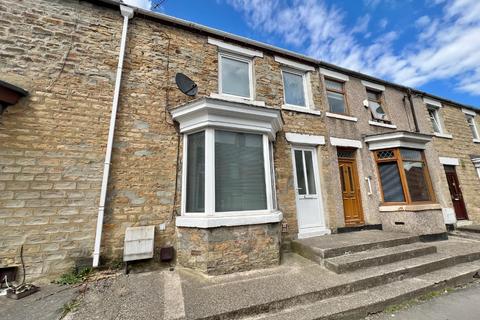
(461, 147)
(229, 249)
(52, 142)
(65, 53)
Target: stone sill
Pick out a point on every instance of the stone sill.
(341, 116)
(231, 98)
(381, 124)
(476, 140)
(443, 135)
(205, 222)
(410, 207)
(301, 109)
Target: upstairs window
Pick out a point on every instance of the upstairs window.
(473, 126)
(434, 118)
(336, 96)
(294, 88)
(235, 75)
(375, 106)
(404, 176)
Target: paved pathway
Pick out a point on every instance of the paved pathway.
(46, 304)
(459, 305)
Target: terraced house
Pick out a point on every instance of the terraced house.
(274, 146)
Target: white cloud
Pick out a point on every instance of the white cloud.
(145, 4)
(382, 24)
(445, 47)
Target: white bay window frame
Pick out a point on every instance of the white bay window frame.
(211, 114)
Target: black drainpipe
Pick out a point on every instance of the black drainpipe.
(409, 94)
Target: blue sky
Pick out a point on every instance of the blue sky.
(432, 45)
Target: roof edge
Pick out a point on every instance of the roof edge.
(274, 49)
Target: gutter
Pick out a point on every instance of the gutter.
(127, 14)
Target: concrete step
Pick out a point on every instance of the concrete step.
(359, 304)
(376, 257)
(328, 246)
(473, 228)
(280, 292)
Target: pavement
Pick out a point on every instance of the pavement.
(46, 304)
(187, 294)
(462, 304)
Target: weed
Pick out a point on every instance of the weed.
(74, 277)
(70, 306)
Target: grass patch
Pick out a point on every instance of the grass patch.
(74, 277)
(68, 307)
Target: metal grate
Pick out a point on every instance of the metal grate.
(385, 154)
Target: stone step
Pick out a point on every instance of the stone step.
(324, 286)
(376, 257)
(360, 304)
(473, 228)
(329, 246)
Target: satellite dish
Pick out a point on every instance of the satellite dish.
(186, 85)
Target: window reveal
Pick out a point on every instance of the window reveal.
(294, 89)
(375, 106)
(235, 77)
(336, 96)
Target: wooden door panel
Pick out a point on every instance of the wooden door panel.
(456, 193)
(350, 192)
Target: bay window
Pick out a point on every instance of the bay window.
(228, 176)
(234, 165)
(404, 176)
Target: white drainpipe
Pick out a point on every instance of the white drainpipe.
(127, 14)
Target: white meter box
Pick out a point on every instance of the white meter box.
(138, 243)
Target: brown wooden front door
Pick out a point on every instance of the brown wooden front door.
(456, 193)
(352, 205)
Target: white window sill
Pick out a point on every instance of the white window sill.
(381, 124)
(341, 116)
(476, 140)
(237, 99)
(410, 207)
(443, 135)
(227, 221)
(300, 109)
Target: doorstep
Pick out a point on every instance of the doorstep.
(301, 287)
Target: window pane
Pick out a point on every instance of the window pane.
(334, 85)
(410, 154)
(391, 183)
(417, 184)
(373, 95)
(310, 172)
(471, 124)
(433, 119)
(294, 91)
(235, 77)
(196, 172)
(239, 172)
(336, 102)
(377, 111)
(300, 173)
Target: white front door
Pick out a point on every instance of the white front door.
(310, 216)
